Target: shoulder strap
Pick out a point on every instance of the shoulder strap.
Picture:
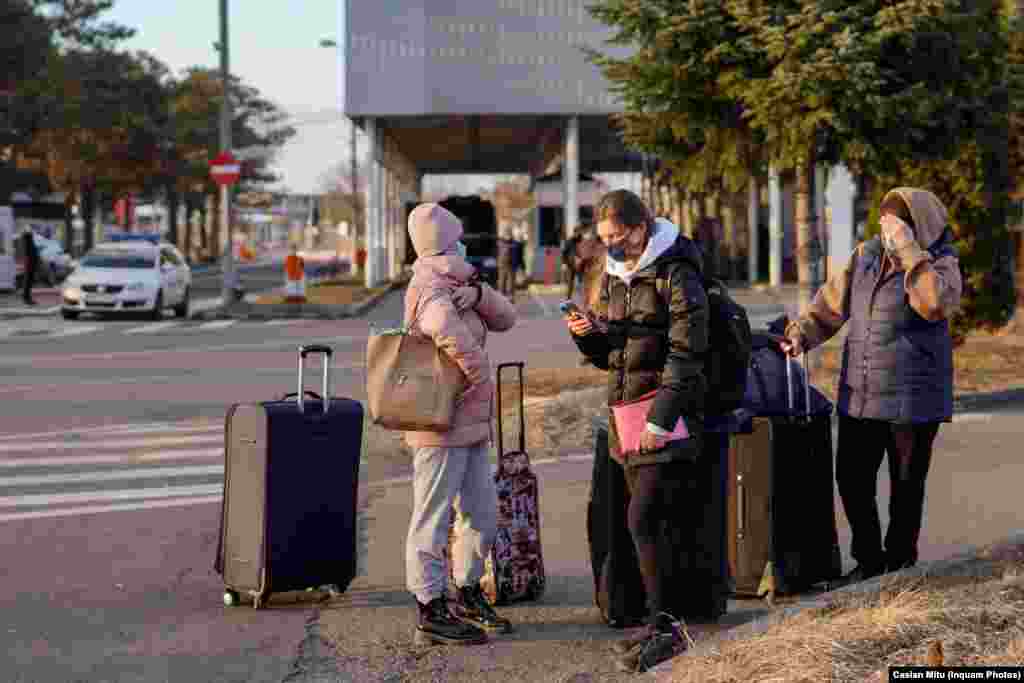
(421, 306)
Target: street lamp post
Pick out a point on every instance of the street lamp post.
(357, 212)
(225, 145)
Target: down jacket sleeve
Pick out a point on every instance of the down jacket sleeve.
(683, 384)
(495, 310)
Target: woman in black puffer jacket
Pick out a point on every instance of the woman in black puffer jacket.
(649, 340)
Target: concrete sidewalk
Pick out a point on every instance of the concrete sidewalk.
(561, 636)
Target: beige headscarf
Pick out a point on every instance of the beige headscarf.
(930, 215)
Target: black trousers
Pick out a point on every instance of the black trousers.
(862, 445)
(654, 492)
(27, 280)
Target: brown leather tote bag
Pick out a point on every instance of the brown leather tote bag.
(411, 384)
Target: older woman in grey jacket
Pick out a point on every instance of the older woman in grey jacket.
(895, 296)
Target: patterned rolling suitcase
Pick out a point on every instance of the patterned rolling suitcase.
(514, 569)
(291, 472)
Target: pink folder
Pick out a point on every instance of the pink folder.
(631, 421)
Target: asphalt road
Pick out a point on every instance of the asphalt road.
(208, 283)
(110, 473)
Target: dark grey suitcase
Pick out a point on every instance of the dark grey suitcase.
(782, 526)
(291, 475)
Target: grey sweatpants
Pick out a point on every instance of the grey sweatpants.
(442, 478)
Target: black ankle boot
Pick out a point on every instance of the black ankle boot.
(436, 625)
(862, 572)
(471, 605)
(665, 640)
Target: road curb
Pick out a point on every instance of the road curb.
(251, 311)
(979, 562)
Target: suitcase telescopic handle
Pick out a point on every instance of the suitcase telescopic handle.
(522, 409)
(789, 387)
(314, 349)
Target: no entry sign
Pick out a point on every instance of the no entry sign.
(225, 169)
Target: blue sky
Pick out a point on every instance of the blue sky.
(274, 47)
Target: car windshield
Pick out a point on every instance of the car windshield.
(118, 259)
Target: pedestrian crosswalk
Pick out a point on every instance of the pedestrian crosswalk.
(108, 469)
(57, 329)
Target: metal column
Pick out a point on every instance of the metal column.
(840, 195)
(753, 232)
(571, 172)
(776, 227)
(372, 204)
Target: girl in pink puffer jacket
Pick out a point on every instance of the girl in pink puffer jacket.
(453, 468)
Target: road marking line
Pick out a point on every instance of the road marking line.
(145, 473)
(152, 328)
(100, 382)
(217, 325)
(116, 429)
(109, 445)
(74, 330)
(119, 507)
(103, 496)
(972, 417)
(57, 461)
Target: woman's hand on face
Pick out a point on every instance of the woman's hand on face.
(580, 326)
(895, 233)
(464, 298)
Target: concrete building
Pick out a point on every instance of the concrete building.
(474, 86)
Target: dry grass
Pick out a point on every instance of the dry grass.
(960, 621)
(343, 291)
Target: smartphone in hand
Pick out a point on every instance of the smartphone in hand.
(570, 309)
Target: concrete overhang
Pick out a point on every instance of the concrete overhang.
(504, 143)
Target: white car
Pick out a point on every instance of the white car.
(129, 277)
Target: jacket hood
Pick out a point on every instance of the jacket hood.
(930, 215)
(664, 245)
(433, 229)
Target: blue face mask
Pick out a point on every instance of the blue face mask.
(460, 249)
(617, 252)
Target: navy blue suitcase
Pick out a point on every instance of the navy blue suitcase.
(291, 477)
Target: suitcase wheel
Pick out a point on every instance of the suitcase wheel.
(231, 598)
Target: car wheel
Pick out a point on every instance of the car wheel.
(181, 310)
(69, 315)
(158, 307)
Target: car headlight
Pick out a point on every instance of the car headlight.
(72, 293)
(134, 286)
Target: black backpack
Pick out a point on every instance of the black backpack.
(729, 344)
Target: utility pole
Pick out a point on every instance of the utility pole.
(228, 262)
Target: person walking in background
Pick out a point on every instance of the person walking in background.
(896, 296)
(649, 341)
(31, 256)
(506, 263)
(452, 469)
(569, 261)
